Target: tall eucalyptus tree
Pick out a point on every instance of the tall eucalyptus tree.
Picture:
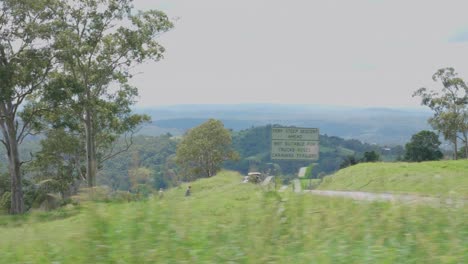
(99, 43)
(26, 58)
(450, 106)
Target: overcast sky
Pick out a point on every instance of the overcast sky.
(329, 52)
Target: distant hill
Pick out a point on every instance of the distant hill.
(254, 145)
(389, 126)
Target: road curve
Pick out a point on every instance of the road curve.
(402, 198)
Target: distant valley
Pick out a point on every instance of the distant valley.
(384, 126)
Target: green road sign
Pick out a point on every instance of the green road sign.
(292, 143)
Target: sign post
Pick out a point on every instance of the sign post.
(293, 143)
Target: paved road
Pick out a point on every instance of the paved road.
(267, 180)
(403, 198)
(297, 186)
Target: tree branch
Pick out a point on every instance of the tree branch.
(128, 144)
(28, 133)
(4, 132)
(3, 57)
(25, 130)
(4, 143)
(27, 161)
(461, 138)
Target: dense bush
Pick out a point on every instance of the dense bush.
(5, 202)
(424, 146)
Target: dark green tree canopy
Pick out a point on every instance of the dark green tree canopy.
(74, 58)
(26, 58)
(371, 156)
(423, 146)
(204, 149)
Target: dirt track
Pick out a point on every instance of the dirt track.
(402, 198)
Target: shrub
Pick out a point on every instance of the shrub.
(5, 202)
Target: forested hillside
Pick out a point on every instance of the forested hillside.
(253, 146)
(150, 161)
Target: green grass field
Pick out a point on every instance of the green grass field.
(436, 178)
(225, 221)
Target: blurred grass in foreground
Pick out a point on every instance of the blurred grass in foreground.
(225, 221)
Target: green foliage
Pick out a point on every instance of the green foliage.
(370, 156)
(57, 166)
(251, 142)
(227, 221)
(203, 149)
(72, 61)
(4, 183)
(102, 194)
(97, 44)
(157, 154)
(349, 161)
(23, 62)
(308, 172)
(34, 192)
(253, 146)
(26, 59)
(141, 180)
(423, 146)
(450, 106)
(37, 217)
(309, 184)
(5, 202)
(462, 153)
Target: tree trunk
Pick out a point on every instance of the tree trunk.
(465, 136)
(14, 164)
(466, 148)
(17, 202)
(91, 162)
(455, 148)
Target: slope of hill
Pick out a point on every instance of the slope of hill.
(225, 221)
(446, 178)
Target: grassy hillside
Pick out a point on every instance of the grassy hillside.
(447, 178)
(225, 221)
